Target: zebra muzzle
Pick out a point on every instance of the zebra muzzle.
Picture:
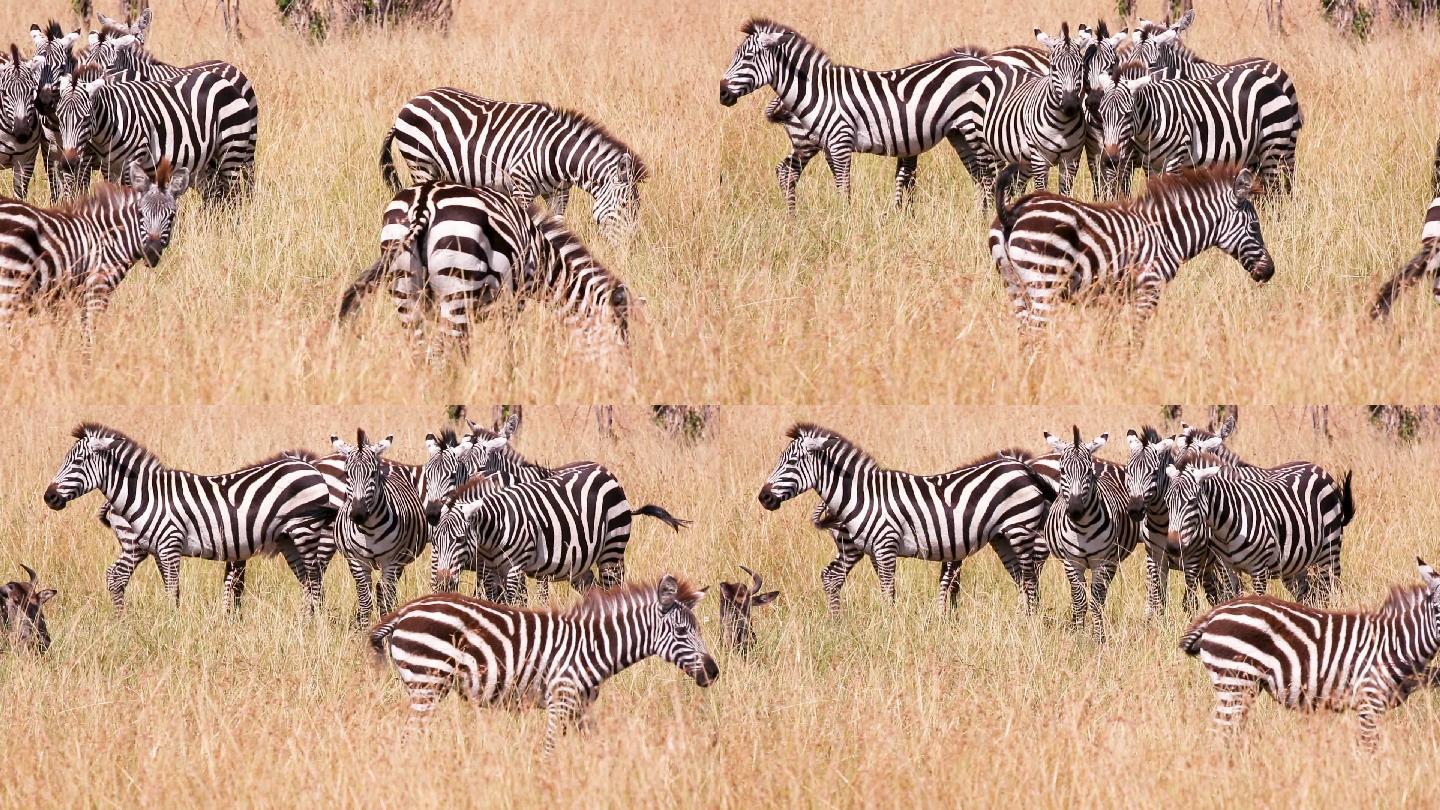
(708, 672)
(727, 96)
(768, 499)
(54, 499)
(151, 250)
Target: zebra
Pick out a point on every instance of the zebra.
(804, 147)
(902, 113)
(198, 121)
(1035, 121)
(528, 149)
(462, 250)
(1090, 527)
(278, 504)
(448, 464)
(508, 656)
(381, 526)
(1047, 247)
(22, 615)
(884, 514)
(1102, 63)
(85, 249)
(1311, 659)
(1109, 133)
(20, 131)
(52, 43)
(1239, 116)
(1286, 522)
(1426, 262)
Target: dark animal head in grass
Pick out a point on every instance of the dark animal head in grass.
(737, 599)
(21, 611)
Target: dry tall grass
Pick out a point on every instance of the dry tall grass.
(889, 706)
(839, 304)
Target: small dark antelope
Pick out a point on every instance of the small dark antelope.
(24, 621)
(736, 600)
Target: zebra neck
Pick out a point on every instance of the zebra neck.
(125, 478)
(1409, 637)
(608, 652)
(1157, 516)
(1184, 225)
(836, 483)
(798, 67)
(108, 229)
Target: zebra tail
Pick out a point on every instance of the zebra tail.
(651, 510)
(1347, 500)
(369, 279)
(1006, 214)
(1412, 272)
(387, 162)
(1190, 642)
(380, 636)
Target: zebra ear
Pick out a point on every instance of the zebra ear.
(1172, 472)
(665, 591)
(1244, 185)
(37, 36)
(383, 445)
(125, 41)
(1165, 444)
(511, 425)
(1228, 426)
(104, 20)
(1098, 443)
(93, 39)
(1205, 472)
(1054, 442)
(1210, 443)
(769, 39)
(1184, 22)
(1134, 441)
(142, 25)
(466, 443)
(491, 445)
(1428, 576)
(99, 444)
(813, 444)
(340, 445)
(179, 181)
(1044, 38)
(431, 446)
(69, 39)
(139, 178)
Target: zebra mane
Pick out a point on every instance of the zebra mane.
(977, 51)
(602, 601)
(113, 29)
(566, 247)
(53, 30)
(105, 195)
(1130, 69)
(472, 486)
(1019, 454)
(1170, 188)
(1404, 599)
(447, 438)
(945, 54)
(86, 430)
(767, 25)
(1149, 435)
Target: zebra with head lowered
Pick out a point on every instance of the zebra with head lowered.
(276, 505)
(901, 113)
(527, 149)
(1035, 121)
(1311, 659)
(886, 514)
(1048, 248)
(85, 249)
(381, 525)
(460, 251)
(20, 131)
(198, 122)
(1426, 262)
(1284, 522)
(497, 655)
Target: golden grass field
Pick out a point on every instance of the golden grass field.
(884, 706)
(853, 304)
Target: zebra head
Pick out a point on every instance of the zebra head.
(1186, 501)
(756, 62)
(1161, 47)
(617, 197)
(450, 546)
(1239, 229)
(1112, 112)
(736, 601)
(55, 45)
(365, 471)
(19, 88)
(677, 631)
(1068, 60)
(1106, 56)
(21, 614)
(83, 469)
(114, 54)
(157, 204)
(73, 114)
(798, 469)
(1077, 470)
(447, 467)
(1145, 479)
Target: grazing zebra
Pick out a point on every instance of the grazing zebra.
(20, 132)
(736, 601)
(528, 149)
(1109, 133)
(1312, 659)
(1035, 121)
(1426, 262)
(381, 525)
(198, 122)
(1286, 523)
(902, 113)
(1239, 116)
(1047, 247)
(508, 656)
(1090, 527)
(279, 504)
(884, 514)
(85, 249)
(22, 617)
(804, 147)
(570, 525)
(461, 251)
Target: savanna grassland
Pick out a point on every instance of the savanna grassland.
(882, 706)
(841, 303)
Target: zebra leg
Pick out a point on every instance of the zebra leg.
(832, 576)
(307, 551)
(949, 583)
(542, 591)
(1099, 589)
(1157, 582)
(168, 558)
(1149, 281)
(386, 587)
(789, 169)
(612, 574)
(426, 688)
(1375, 697)
(1234, 693)
(23, 169)
(838, 153)
(360, 570)
(905, 181)
(882, 559)
(1079, 601)
(117, 576)
(563, 703)
(234, 585)
(99, 286)
(1040, 173)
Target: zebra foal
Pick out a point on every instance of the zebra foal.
(1048, 248)
(1309, 659)
(558, 659)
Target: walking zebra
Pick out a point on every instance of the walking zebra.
(276, 505)
(507, 656)
(85, 249)
(1286, 522)
(1239, 116)
(1089, 528)
(1047, 247)
(461, 251)
(1426, 262)
(381, 525)
(902, 113)
(884, 514)
(1035, 121)
(20, 133)
(527, 149)
(804, 146)
(198, 121)
(1311, 659)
